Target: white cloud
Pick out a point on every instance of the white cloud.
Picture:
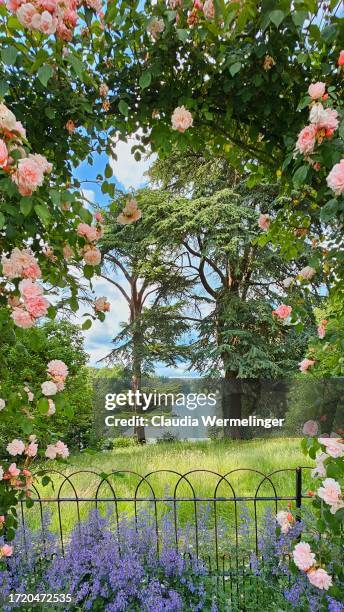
(88, 197)
(128, 171)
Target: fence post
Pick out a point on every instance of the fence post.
(298, 492)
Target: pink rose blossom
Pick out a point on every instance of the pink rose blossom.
(16, 447)
(264, 222)
(2, 518)
(28, 176)
(317, 90)
(51, 453)
(20, 264)
(87, 231)
(49, 388)
(3, 154)
(19, 128)
(7, 118)
(6, 550)
(52, 408)
(303, 556)
(307, 273)
(282, 311)
(330, 492)
(335, 179)
(209, 9)
(92, 256)
(22, 318)
(310, 428)
(29, 289)
(13, 471)
(98, 217)
(305, 364)
(321, 330)
(181, 119)
(67, 251)
(130, 213)
(56, 367)
(320, 469)
(62, 449)
(156, 27)
(31, 450)
(42, 162)
(341, 58)
(37, 306)
(101, 305)
(306, 140)
(26, 13)
(320, 579)
(285, 520)
(334, 446)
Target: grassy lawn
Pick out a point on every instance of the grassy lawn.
(265, 456)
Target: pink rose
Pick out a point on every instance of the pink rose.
(87, 231)
(156, 27)
(2, 518)
(320, 469)
(341, 58)
(92, 256)
(6, 550)
(335, 179)
(101, 305)
(62, 449)
(67, 251)
(3, 154)
(16, 447)
(310, 428)
(31, 450)
(130, 213)
(28, 176)
(321, 330)
(7, 118)
(306, 140)
(30, 289)
(303, 556)
(37, 306)
(52, 408)
(285, 520)
(22, 318)
(209, 9)
(181, 119)
(305, 364)
(334, 446)
(320, 579)
(49, 388)
(330, 492)
(48, 23)
(51, 453)
(26, 13)
(317, 90)
(48, 5)
(264, 222)
(56, 367)
(98, 217)
(19, 128)
(13, 471)
(42, 162)
(21, 263)
(307, 273)
(282, 311)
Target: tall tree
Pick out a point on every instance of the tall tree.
(237, 280)
(149, 279)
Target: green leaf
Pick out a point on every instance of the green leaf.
(2, 220)
(145, 79)
(108, 171)
(234, 68)
(76, 64)
(329, 210)
(25, 206)
(182, 35)
(9, 55)
(87, 324)
(123, 108)
(43, 213)
(43, 405)
(299, 176)
(277, 17)
(299, 17)
(88, 271)
(3, 88)
(44, 74)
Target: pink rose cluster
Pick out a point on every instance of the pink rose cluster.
(28, 171)
(181, 119)
(285, 520)
(282, 311)
(18, 447)
(305, 561)
(59, 449)
(91, 233)
(323, 122)
(58, 372)
(58, 17)
(199, 7)
(331, 493)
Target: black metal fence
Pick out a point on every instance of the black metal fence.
(74, 495)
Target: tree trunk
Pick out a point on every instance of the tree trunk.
(139, 430)
(232, 403)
